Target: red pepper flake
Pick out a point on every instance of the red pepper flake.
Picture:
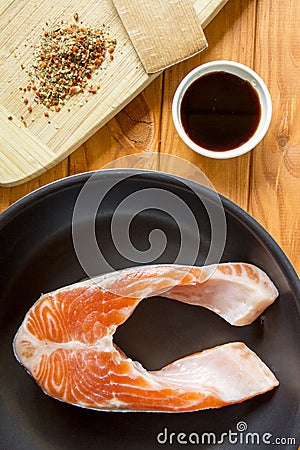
(25, 100)
(93, 90)
(29, 109)
(98, 61)
(46, 114)
(72, 90)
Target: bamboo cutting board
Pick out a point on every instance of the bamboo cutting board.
(27, 151)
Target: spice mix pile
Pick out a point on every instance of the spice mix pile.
(64, 62)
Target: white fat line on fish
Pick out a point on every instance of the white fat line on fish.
(88, 398)
(138, 397)
(104, 344)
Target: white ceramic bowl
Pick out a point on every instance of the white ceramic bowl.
(241, 71)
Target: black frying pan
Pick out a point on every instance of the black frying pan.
(37, 256)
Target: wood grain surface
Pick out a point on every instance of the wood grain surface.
(265, 182)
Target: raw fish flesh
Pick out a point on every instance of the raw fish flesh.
(66, 340)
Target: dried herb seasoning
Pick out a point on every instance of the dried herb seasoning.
(64, 63)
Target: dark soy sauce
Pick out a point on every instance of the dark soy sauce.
(220, 111)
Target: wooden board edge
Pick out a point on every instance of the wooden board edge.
(18, 165)
(209, 12)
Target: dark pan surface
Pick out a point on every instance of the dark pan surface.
(37, 256)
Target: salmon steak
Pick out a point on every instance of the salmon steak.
(66, 340)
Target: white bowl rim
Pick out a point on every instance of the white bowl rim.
(242, 71)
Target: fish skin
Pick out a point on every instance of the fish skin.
(66, 340)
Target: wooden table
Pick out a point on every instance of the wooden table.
(263, 34)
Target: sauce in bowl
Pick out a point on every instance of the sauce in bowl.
(220, 111)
